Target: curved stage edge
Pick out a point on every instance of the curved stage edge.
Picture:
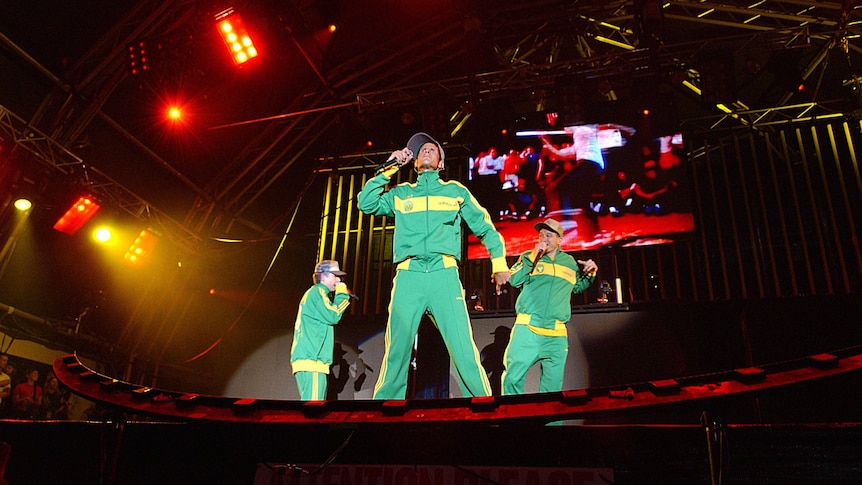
(611, 402)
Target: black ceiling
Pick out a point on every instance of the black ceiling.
(313, 99)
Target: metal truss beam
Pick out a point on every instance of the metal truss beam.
(50, 153)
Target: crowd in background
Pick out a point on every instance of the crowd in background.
(36, 394)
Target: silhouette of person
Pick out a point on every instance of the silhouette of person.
(359, 370)
(492, 358)
(339, 372)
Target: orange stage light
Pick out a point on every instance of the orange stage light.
(74, 219)
(141, 249)
(235, 36)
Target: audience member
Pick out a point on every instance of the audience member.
(5, 383)
(27, 396)
(55, 400)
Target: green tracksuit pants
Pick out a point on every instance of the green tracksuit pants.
(312, 385)
(527, 348)
(441, 294)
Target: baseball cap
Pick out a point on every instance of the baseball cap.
(550, 225)
(329, 266)
(416, 141)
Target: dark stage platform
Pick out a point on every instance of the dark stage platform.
(812, 435)
(133, 453)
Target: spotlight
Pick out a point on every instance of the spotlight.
(23, 204)
(78, 214)
(103, 235)
(235, 36)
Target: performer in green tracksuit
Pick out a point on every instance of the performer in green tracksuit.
(426, 249)
(314, 332)
(543, 307)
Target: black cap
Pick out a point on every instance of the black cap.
(416, 141)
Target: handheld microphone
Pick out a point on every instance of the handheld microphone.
(352, 295)
(536, 261)
(393, 161)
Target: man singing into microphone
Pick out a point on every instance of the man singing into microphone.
(547, 277)
(314, 330)
(426, 249)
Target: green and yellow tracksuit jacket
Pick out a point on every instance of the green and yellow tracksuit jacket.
(428, 217)
(314, 330)
(544, 303)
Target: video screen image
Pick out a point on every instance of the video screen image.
(620, 181)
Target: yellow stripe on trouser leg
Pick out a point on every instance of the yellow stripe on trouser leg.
(312, 385)
(406, 306)
(441, 293)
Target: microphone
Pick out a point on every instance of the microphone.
(536, 261)
(393, 161)
(352, 295)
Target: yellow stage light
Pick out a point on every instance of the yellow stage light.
(23, 204)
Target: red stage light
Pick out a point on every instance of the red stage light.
(139, 58)
(235, 36)
(74, 219)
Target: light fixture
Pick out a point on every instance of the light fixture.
(138, 58)
(141, 248)
(23, 204)
(77, 215)
(235, 36)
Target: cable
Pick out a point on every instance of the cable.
(334, 454)
(266, 273)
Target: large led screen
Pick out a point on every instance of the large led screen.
(617, 179)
